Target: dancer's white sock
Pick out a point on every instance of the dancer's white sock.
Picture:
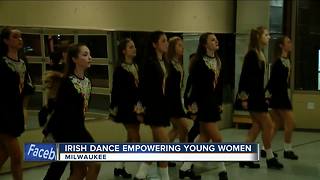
(143, 171)
(269, 153)
(164, 173)
(287, 146)
(186, 166)
(119, 165)
(221, 167)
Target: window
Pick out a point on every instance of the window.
(276, 16)
(99, 103)
(307, 46)
(97, 45)
(39, 43)
(32, 44)
(35, 101)
(99, 75)
(55, 42)
(35, 71)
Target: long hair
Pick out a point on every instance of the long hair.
(202, 50)
(172, 48)
(73, 52)
(277, 49)
(192, 59)
(255, 35)
(55, 57)
(150, 50)
(122, 46)
(51, 82)
(5, 34)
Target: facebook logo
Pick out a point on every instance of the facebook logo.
(40, 152)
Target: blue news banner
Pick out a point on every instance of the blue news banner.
(141, 152)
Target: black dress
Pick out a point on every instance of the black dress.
(125, 94)
(278, 85)
(187, 97)
(174, 83)
(251, 84)
(187, 93)
(207, 88)
(11, 104)
(154, 93)
(67, 123)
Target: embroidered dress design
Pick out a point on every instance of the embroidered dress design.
(19, 67)
(133, 69)
(83, 87)
(286, 63)
(213, 64)
(179, 68)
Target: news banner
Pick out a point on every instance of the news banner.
(141, 152)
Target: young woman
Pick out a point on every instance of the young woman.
(154, 95)
(252, 95)
(174, 83)
(207, 91)
(125, 100)
(12, 75)
(278, 89)
(71, 104)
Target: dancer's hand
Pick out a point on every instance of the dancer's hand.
(244, 104)
(140, 118)
(193, 117)
(267, 101)
(193, 108)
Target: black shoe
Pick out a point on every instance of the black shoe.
(274, 164)
(263, 153)
(223, 175)
(121, 172)
(188, 173)
(290, 155)
(250, 164)
(172, 164)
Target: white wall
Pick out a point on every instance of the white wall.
(251, 14)
(180, 16)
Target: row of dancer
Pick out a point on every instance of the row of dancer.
(205, 99)
(152, 94)
(156, 87)
(257, 94)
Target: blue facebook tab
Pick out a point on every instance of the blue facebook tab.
(40, 152)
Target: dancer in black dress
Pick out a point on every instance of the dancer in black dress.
(71, 104)
(154, 96)
(175, 83)
(278, 89)
(125, 100)
(207, 92)
(13, 79)
(252, 94)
